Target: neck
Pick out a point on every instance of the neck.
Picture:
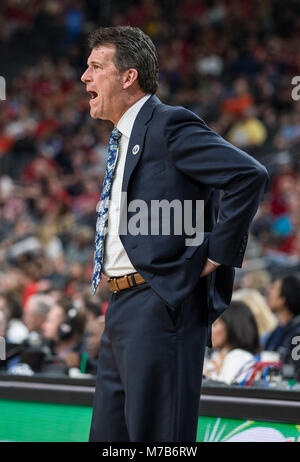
(130, 101)
(225, 349)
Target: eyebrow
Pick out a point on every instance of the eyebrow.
(94, 62)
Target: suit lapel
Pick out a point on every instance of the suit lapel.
(137, 138)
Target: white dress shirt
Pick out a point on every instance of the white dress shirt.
(116, 261)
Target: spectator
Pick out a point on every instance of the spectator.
(257, 280)
(78, 250)
(35, 312)
(283, 300)
(235, 340)
(64, 329)
(248, 132)
(16, 331)
(265, 319)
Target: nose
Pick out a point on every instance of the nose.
(86, 76)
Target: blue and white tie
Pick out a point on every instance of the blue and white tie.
(103, 207)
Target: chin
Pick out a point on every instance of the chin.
(93, 114)
(96, 115)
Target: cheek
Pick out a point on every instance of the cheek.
(102, 83)
(45, 328)
(109, 87)
(223, 336)
(271, 298)
(219, 334)
(50, 329)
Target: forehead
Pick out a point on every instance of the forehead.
(102, 54)
(30, 308)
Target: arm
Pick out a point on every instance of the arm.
(206, 157)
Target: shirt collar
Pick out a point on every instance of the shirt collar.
(126, 122)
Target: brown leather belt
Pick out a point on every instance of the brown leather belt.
(125, 282)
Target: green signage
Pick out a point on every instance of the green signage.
(41, 422)
(218, 429)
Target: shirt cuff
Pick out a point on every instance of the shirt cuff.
(213, 262)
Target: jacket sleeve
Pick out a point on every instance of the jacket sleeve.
(207, 158)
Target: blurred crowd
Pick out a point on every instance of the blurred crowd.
(258, 335)
(232, 63)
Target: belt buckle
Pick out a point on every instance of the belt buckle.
(113, 281)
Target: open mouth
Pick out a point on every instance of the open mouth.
(93, 94)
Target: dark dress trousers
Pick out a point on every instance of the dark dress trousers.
(152, 349)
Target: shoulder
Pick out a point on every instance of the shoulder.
(292, 330)
(296, 323)
(169, 113)
(238, 355)
(175, 120)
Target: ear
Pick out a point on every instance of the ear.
(129, 77)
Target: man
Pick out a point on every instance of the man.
(157, 323)
(34, 315)
(283, 299)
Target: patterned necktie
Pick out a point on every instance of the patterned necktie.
(103, 207)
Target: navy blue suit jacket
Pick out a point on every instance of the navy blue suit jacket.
(181, 158)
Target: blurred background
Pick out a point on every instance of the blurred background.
(232, 63)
